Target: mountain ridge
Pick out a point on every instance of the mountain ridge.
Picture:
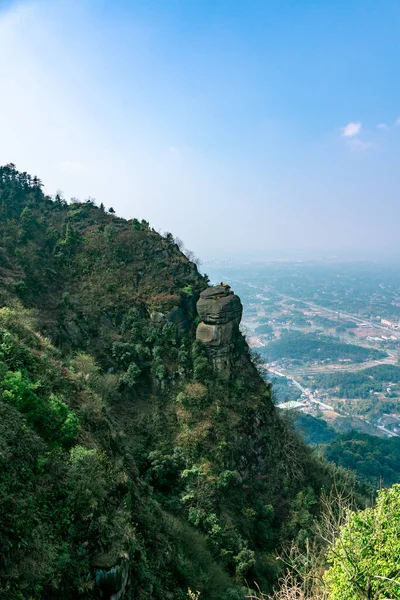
(152, 469)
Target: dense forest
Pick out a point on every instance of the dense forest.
(313, 431)
(360, 384)
(131, 466)
(375, 460)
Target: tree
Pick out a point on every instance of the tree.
(365, 557)
(135, 224)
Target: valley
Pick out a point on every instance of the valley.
(328, 337)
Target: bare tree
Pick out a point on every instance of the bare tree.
(179, 243)
(289, 589)
(305, 567)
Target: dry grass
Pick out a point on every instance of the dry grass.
(289, 589)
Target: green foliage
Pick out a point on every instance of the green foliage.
(375, 460)
(365, 558)
(360, 384)
(264, 329)
(46, 412)
(311, 346)
(118, 437)
(313, 431)
(53, 420)
(284, 390)
(245, 560)
(187, 290)
(323, 322)
(201, 364)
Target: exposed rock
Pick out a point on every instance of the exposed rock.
(157, 317)
(111, 580)
(216, 291)
(221, 311)
(218, 305)
(215, 335)
(178, 318)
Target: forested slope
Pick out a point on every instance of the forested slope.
(129, 465)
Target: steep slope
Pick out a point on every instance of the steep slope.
(143, 465)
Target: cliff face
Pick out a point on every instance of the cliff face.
(148, 453)
(220, 311)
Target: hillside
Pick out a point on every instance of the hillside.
(137, 461)
(375, 460)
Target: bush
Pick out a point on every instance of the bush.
(365, 558)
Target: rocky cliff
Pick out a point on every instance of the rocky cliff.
(220, 311)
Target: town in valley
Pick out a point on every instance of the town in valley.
(327, 335)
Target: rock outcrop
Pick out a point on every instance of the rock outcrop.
(220, 311)
(111, 579)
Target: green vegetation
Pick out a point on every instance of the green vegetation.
(299, 321)
(375, 460)
(345, 424)
(349, 324)
(313, 347)
(324, 322)
(313, 431)
(122, 450)
(264, 329)
(365, 557)
(376, 389)
(355, 556)
(360, 384)
(284, 390)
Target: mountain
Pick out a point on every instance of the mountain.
(140, 451)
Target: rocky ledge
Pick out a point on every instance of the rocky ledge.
(220, 311)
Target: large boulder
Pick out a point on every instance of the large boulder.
(215, 335)
(218, 305)
(220, 311)
(111, 579)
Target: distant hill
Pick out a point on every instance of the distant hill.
(375, 460)
(314, 431)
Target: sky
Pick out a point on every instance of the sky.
(246, 128)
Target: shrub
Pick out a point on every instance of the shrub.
(366, 556)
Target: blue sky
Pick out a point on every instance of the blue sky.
(244, 127)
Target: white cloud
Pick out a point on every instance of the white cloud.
(357, 144)
(173, 149)
(397, 121)
(351, 129)
(382, 126)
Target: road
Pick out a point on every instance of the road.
(391, 359)
(311, 398)
(308, 393)
(323, 308)
(350, 368)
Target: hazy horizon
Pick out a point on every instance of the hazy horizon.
(257, 129)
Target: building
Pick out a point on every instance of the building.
(291, 405)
